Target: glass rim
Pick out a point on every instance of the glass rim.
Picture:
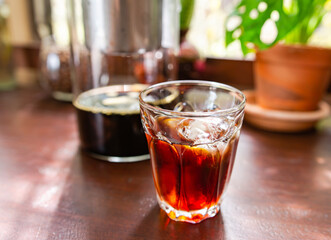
(235, 109)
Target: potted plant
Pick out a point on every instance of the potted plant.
(289, 74)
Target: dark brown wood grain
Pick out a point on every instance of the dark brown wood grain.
(280, 187)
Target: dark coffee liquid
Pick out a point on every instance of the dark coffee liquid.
(189, 177)
(109, 121)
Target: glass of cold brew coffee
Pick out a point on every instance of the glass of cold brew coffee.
(119, 47)
(192, 129)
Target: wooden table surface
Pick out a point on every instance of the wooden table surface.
(280, 187)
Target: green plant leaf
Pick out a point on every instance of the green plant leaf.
(186, 13)
(295, 22)
(305, 29)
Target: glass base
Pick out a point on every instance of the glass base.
(195, 216)
(119, 159)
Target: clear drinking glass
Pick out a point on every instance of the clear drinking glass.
(55, 68)
(192, 129)
(49, 22)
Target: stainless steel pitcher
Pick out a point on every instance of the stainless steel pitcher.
(119, 47)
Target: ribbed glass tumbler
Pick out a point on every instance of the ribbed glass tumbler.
(192, 129)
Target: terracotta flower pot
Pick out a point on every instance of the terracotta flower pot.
(292, 78)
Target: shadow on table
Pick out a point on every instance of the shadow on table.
(103, 200)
